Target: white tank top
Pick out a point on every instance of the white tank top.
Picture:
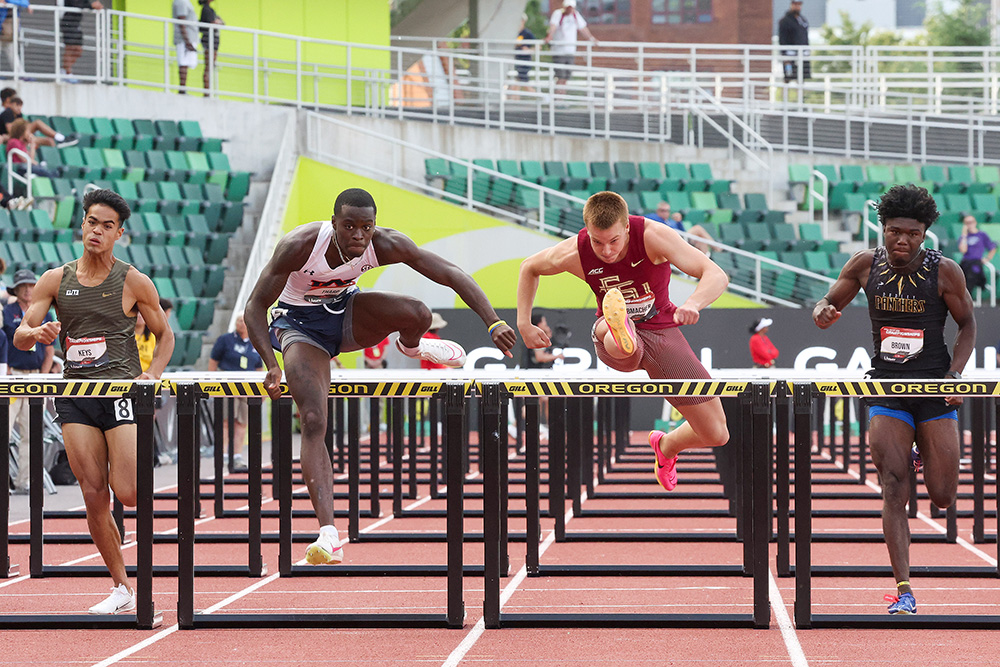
(316, 283)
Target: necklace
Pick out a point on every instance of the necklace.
(339, 251)
(906, 266)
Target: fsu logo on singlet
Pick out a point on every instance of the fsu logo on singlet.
(641, 305)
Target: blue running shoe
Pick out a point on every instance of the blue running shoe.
(904, 604)
(918, 463)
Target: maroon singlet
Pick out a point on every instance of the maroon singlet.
(645, 286)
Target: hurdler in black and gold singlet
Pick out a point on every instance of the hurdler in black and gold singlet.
(97, 337)
(908, 316)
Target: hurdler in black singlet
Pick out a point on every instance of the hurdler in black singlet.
(96, 336)
(908, 316)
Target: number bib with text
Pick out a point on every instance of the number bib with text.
(86, 352)
(901, 345)
(642, 308)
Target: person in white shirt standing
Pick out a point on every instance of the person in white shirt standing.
(185, 36)
(564, 26)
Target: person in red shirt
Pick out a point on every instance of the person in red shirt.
(627, 264)
(375, 355)
(437, 322)
(762, 350)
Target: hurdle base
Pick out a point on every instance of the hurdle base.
(295, 621)
(906, 622)
(13, 570)
(626, 621)
(55, 571)
(380, 571)
(75, 622)
(655, 570)
(930, 571)
(648, 537)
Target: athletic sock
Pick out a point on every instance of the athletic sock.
(408, 351)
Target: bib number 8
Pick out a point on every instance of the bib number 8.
(123, 409)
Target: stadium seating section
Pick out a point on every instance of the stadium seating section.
(186, 203)
(958, 190)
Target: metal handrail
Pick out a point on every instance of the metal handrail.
(824, 197)
(12, 175)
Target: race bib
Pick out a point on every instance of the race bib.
(901, 345)
(641, 308)
(86, 352)
(123, 409)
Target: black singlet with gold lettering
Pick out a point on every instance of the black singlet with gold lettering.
(908, 316)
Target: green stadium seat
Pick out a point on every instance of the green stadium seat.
(506, 167)
(532, 170)
(601, 170)
(705, 201)
(651, 170)
(676, 171)
(906, 173)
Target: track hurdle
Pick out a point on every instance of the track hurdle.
(756, 480)
(142, 394)
(803, 397)
(454, 396)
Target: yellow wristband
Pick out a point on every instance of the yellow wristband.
(902, 583)
(495, 325)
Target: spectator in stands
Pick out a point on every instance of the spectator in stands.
(977, 248)
(19, 140)
(564, 26)
(762, 350)
(50, 137)
(233, 352)
(375, 355)
(72, 34)
(167, 306)
(184, 39)
(676, 222)
(36, 360)
(209, 38)
(523, 54)
(793, 30)
(7, 30)
(145, 341)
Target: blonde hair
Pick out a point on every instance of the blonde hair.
(18, 128)
(604, 209)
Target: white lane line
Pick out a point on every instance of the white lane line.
(121, 655)
(15, 580)
(385, 520)
(968, 546)
(480, 627)
(795, 652)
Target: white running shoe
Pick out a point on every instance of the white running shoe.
(439, 351)
(327, 550)
(120, 601)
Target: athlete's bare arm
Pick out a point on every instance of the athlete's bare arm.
(850, 281)
(290, 254)
(393, 247)
(664, 244)
(32, 330)
(563, 257)
(951, 283)
(147, 301)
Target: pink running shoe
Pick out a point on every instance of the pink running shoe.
(616, 315)
(665, 469)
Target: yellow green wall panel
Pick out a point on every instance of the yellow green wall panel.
(356, 21)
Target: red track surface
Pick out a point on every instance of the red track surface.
(780, 645)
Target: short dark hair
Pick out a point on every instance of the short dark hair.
(109, 198)
(354, 197)
(6, 94)
(604, 209)
(166, 304)
(536, 317)
(15, 100)
(908, 201)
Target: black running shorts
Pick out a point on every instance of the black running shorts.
(102, 413)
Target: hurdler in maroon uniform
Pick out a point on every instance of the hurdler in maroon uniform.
(627, 264)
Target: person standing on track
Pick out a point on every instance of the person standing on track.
(97, 298)
(911, 291)
(321, 313)
(627, 265)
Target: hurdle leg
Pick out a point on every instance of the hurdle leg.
(219, 414)
(187, 458)
(353, 470)
(255, 491)
(490, 449)
(533, 529)
(374, 455)
(146, 616)
(782, 480)
(454, 410)
(803, 403)
(6, 568)
(35, 470)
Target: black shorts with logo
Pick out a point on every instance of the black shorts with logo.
(102, 413)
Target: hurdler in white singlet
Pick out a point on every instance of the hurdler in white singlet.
(316, 283)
